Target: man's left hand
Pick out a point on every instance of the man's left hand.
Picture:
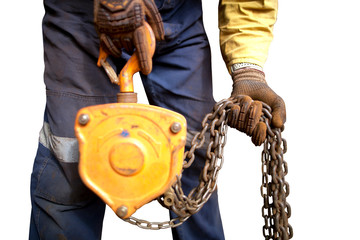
(251, 87)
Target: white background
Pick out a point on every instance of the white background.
(313, 64)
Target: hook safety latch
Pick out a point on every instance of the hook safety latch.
(125, 78)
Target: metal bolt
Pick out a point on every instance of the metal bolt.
(122, 211)
(175, 127)
(83, 119)
(169, 199)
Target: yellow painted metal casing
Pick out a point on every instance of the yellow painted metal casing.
(129, 153)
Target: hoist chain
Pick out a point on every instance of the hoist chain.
(274, 188)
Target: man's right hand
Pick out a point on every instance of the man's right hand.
(120, 24)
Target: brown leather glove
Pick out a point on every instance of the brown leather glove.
(120, 24)
(250, 86)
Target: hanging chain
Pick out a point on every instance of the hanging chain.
(274, 188)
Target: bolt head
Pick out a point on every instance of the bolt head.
(83, 119)
(175, 127)
(169, 200)
(122, 211)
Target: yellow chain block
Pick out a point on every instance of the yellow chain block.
(130, 153)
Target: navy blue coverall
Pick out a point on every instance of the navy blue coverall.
(62, 207)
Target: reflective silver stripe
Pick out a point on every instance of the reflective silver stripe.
(65, 149)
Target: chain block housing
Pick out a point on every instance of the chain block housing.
(130, 153)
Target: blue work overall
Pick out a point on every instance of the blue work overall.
(62, 207)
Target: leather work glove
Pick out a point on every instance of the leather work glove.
(120, 24)
(250, 86)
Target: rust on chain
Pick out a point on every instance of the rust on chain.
(274, 189)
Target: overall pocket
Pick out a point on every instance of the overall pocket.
(59, 182)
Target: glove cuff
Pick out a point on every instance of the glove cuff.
(248, 73)
(238, 66)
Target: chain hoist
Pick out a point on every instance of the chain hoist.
(124, 143)
(274, 189)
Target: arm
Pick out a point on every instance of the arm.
(245, 36)
(246, 30)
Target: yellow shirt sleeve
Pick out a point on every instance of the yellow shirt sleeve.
(246, 30)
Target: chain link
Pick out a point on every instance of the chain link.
(274, 188)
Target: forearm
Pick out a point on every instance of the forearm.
(246, 30)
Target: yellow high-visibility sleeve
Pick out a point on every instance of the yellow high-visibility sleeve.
(246, 30)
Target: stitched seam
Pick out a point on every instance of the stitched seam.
(78, 96)
(37, 220)
(43, 165)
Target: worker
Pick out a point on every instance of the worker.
(178, 78)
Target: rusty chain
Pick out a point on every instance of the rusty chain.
(274, 188)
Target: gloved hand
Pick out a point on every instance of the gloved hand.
(120, 24)
(251, 87)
